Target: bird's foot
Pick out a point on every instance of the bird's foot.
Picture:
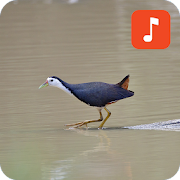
(79, 124)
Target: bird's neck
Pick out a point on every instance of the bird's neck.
(63, 85)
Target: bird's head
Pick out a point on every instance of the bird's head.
(51, 81)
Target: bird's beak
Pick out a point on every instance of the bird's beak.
(44, 85)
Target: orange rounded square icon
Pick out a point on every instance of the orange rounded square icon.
(150, 29)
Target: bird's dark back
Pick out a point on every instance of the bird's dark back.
(98, 94)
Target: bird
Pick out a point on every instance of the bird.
(95, 94)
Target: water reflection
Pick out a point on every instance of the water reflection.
(57, 170)
(87, 164)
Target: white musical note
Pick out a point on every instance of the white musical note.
(155, 21)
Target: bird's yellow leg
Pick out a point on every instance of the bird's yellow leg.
(109, 113)
(79, 124)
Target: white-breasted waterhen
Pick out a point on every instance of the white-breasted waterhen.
(97, 94)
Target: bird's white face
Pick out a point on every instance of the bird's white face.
(50, 82)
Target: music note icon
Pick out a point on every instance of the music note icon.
(150, 29)
(155, 21)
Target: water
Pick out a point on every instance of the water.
(82, 42)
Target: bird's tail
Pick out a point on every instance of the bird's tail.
(124, 83)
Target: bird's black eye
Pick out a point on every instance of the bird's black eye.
(51, 80)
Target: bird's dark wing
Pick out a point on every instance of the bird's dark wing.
(99, 94)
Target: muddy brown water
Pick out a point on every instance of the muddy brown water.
(83, 42)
